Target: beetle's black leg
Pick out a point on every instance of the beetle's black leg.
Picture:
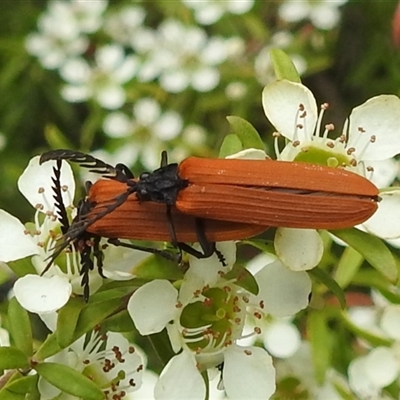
(162, 253)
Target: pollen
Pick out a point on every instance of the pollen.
(41, 190)
(257, 315)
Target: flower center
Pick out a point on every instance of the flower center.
(215, 321)
(318, 148)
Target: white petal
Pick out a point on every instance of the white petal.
(294, 11)
(4, 338)
(240, 7)
(209, 14)
(169, 126)
(324, 17)
(282, 291)
(50, 320)
(152, 306)
(385, 172)
(249, 154)
(298, 249)
(39, 294)
(117, 125)
(14, 243)
(180, 380)
(282, 339)
(75, 71)
(132, 368)
(147, 389)
(147, 111)
(390, 321)
(359, 380)
(174, 81)
(111, 96)
(76, 94)
(36, 185)
(379, 116)
(205, 79)
(209, 269)
(248, 373)
(381, 366)
(385, 223)
(364, 317)
(281, 101)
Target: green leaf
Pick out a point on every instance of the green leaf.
(348, 266)
(48, 348)
(20, 327)
(231, 145)
(56, 139)
(69, 381)
(283, 66)
(321, 343)
(93, 315)
(266, 246)
(22, 385)
(67, 320)
(246, 132)
(121, 322)
(243, 278)
(157, 267)
(372, 249)
(323, 277)
(22, 267)
(5, 394)
(114, 290)
(11, 357)
(374, 339)
(162, 346)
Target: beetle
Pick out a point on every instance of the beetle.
(260, 192)
(98, 218)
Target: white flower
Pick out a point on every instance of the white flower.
(323, 14)
(208, 12)
(369, 135)
(109, 360)
(45, 294)
(380, 366)
(125, 23)
(102, 81)
(184, 56)
(150, 126)
(17, 242)
(62, 31)
(369, 374)
(206, 317)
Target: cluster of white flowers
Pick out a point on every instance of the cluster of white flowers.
(367, 144)
(323, 14)
(216, 313)
(205, 318)
(378, 366)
